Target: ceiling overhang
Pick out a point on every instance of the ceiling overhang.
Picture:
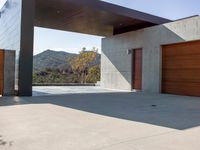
(91, 17)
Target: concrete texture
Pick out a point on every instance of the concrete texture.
(117, 64)
(17, 27)
(9, 73)
(10, 33)
(104, 121)
(58, 90)
(10, 23)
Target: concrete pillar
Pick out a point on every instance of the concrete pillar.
(9, 73)
(26, 48)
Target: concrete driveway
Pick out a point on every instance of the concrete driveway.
(103, 121)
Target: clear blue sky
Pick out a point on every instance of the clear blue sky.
(171, 9)
(73, 42)
(63, 41)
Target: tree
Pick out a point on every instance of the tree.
(93, 74)
(81, 63)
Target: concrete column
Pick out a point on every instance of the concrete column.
(9, 73)
(26, 48)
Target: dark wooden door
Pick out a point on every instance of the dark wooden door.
(181, 69)
(137, 69)
(1, 71)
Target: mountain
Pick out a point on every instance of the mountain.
(55, 60)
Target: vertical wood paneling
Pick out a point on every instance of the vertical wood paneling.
(137, 69)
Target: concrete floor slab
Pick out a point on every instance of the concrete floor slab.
(103, 121)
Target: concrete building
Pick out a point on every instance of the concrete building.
(169, 63)
(136, 51)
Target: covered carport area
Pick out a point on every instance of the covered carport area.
(87, 16)
(91, 17)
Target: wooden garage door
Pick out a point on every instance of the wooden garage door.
(1, 70)
(181, 69)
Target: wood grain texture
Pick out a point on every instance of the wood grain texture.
(181, 69)
(137, 69)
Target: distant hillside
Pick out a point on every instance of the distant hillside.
(55, 60)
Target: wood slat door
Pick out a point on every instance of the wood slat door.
(181, 69)
(137, 69)
(1, 71)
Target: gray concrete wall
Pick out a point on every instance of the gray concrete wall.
(10, 29)
(9, 73)
(10, 23)
(117, 64)
(16, 33)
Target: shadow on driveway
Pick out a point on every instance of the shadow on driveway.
(170, 111)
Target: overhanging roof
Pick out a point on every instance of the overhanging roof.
(91, 17)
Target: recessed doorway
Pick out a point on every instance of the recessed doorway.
(137, 69)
